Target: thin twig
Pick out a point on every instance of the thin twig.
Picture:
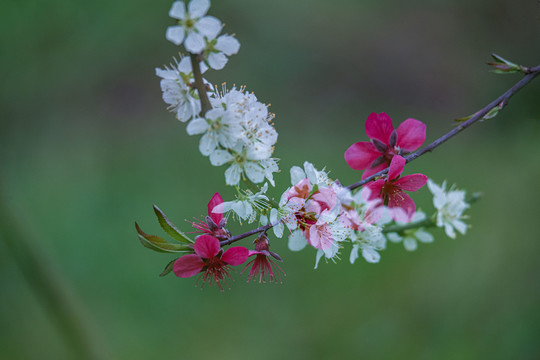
(199, 84)
(501, 101)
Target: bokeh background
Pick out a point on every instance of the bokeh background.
(87, 147)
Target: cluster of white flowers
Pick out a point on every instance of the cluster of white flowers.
(238, 129)
(450, 206)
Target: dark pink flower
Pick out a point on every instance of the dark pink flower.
(390, 190)
(214, 223)
(262, 264)
(386, 142)
(210, 259)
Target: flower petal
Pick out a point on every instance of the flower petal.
(371, 171)
(401, 206)
(206, 246)
(235, 256)
(197, 126)
(411, 182)
(232, 174)
(411, 134)
(188, 266)
(209, 26)
(178, 10)
(217, 61)
(374, 189)
(215, 201)
(175, 34)
(410, 244)
(396, 167)
(297, 241)
(379, 127)
(220, 157)
(198, 8)
(194, 43)
(371, 255)
(254, 172)
(360, 155)
(228, 44)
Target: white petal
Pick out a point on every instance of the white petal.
(217, 61)
(297, 175)
(209, 26)
(184, 66)
(166, 74)
(228, 44)
(254, 172)
(354, 253)
(232, 174)
(240, 209)
(449, 231)
(197, 126)
(393, 237)
(198, 8)
(278, 230)
(194, 43)
(178, 10)
(460, 226)
(371, 255)
(175, 34)
(263, 220)
(207, 144)
(424, 236)
(297, 241)
(311, 172)
(410, 244)
(220, 157)
(318, 257)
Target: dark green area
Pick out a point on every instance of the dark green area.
(87, 148)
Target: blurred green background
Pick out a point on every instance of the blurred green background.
(87, 147)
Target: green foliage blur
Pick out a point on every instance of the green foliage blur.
(87, 147)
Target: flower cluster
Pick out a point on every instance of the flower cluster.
(236, 130)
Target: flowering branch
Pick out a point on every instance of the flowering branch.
(500, 103)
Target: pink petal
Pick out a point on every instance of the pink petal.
(396, 167)
(374, 189)
(214, 201)
(206, 246)
(254, 252)
(236, 255)
(379, 127)
(376, 169)
(188, 266)
(411, 134)
(411, 182)
(360, 155)
(401, 206)
(326, 197)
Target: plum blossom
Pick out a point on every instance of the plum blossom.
(390, 190)
(386, 142)
(247, 204)
(193, 26)
(262, 263)
(411, 237)
(217, 50)
(178, 90)
(450, 206)
(210, 259)
(370, 241)
(214, 223)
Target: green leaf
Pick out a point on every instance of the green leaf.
(169, 227)
(465, 118)
(159, 244)
(168, 268)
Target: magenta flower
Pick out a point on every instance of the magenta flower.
(214, 223)
(390, 190)
(262, 264)
(210, 259)
(386, 142)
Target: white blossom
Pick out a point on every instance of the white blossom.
(411, 237)
(247, 205)
(193, 26)
(370, 241)
(217, 50)
(450, 206)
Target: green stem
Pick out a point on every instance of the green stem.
(428, 222)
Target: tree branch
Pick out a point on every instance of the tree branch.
(199, 84)
(501, 102)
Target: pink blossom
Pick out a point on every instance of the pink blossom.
(210, 259)
(262, 264)
(386, 142)
(390, 190)
(214, 223)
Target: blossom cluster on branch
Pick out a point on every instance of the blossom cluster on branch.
(315, 211)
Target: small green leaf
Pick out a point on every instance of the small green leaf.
(159, 244)
(491, 113)
(169, 227)
(465, 118)
(168, 268)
